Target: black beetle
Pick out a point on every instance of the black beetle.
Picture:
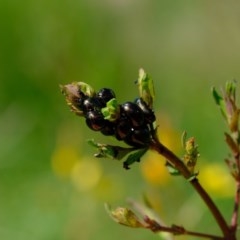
(104, 95)
(95, 120)
(91, 103)
(139, 137)
(133, 112)
(123, 128)
(149, 115)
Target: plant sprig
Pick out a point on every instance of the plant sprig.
(134, 124)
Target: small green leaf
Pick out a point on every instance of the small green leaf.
(220, 102)
(110, 151)
(85, 88)
(184, 139)
(193, 176)
(172, 170)
(92, 143)
(111, 111)
(134, 157)
(146, 87)
(231, 89)
(218, 99)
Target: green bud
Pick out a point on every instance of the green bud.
(233, 168)
(72, 96)
(190, 146)
(111, 111)
(146, 87)
(191, 154)
(124, 216)
(231, 89)
(228, 107)
(86, 89)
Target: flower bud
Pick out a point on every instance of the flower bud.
(75, 94)
(146, 88)
(124, 216)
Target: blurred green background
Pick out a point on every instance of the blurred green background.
(50, 185)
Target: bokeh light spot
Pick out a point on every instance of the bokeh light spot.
(110, 188)
(153, 165)
(86, 174)
(63, 160)
(217, 180)
(154, 170)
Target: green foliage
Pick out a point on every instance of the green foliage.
(111, 111)
(47, 43)
(134, 157)
(146, 87)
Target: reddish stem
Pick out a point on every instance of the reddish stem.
(177, 230)
(234, 220)
(178, 164)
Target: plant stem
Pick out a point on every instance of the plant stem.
(178, 164)
(234, 220)
(202, 235)
(177, 230)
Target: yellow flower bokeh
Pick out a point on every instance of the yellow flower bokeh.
(217, 180)
(63, 160)
(154, 170)
(153, 165)
(83, 172)
(86, 174)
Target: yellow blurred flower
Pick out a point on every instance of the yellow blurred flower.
(154, 170)
(109, 188)
(63, 160)
(153, 165)
(86, 174)
(217, 180)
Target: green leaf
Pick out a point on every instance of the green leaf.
(220, 102)
(184, 139)
(172, 170)
(134, 157)
(193, 176)
(146, 87)
(85, 88)
(111, 111)
(218, 99)
(118, 153)
(231, 89)
(110, 151)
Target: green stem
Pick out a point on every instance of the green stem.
(178, 164)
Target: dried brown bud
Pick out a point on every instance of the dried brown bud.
(75, 93)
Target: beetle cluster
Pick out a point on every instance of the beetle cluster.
(132, 121)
